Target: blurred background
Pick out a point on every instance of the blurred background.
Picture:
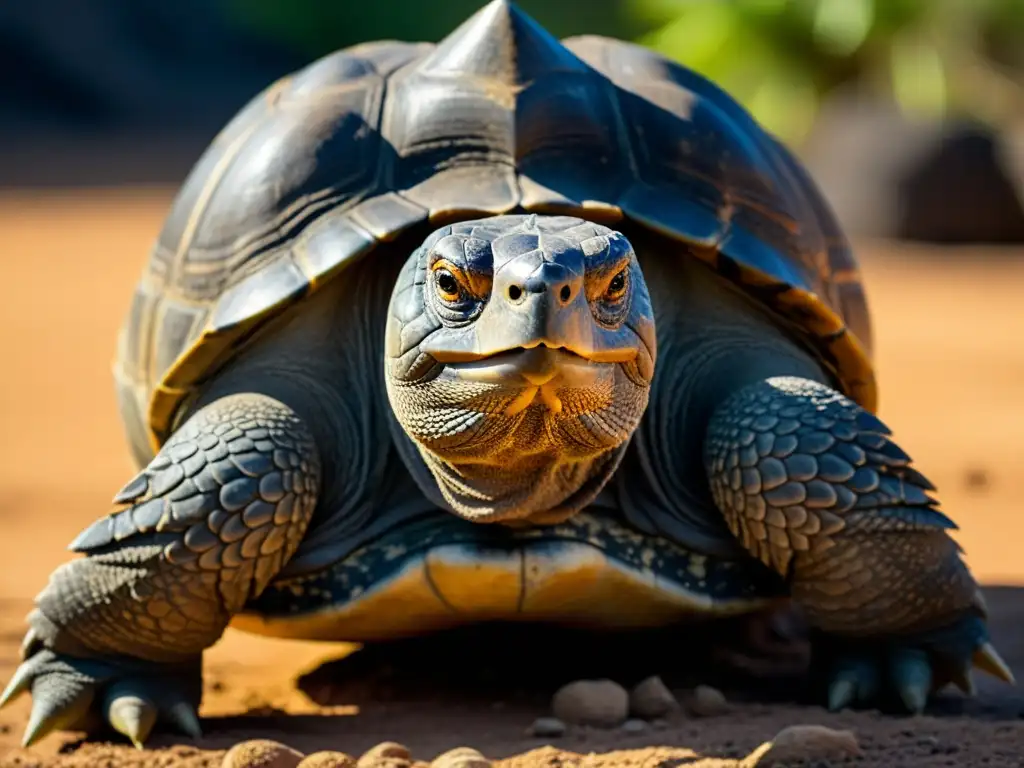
(909, 113)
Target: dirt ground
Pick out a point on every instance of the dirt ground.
(951, 367)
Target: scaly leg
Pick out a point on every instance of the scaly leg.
(118, 635)
(813, 485)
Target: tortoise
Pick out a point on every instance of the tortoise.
(507, 329)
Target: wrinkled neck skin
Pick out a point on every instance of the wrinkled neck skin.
(713, 341)
(544, 488)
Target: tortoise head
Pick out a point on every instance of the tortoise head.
(519, 344)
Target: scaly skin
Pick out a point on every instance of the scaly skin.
(206, 526)
(814, 486)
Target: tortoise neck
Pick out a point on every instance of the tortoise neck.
(713, 341)
(537, 490)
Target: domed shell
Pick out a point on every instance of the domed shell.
(386, 138)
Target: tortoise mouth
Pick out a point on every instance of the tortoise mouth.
(540, 367)
(440, 571)
(538, 373)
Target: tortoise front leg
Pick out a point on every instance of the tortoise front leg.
(814, 486)
(118, 635)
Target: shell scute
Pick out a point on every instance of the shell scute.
(374, 140)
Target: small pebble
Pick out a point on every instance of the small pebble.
(707, 702)
(328, 760)
(387, 754)
(634, 726)
(659, 724)
(600, 703)
(461, 757)
(803, 743)
(547, 727)
(651, 698)
(261, 753)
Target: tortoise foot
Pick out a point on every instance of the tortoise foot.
(128, 695)
(900, 673)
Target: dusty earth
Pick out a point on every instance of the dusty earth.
(951, 368)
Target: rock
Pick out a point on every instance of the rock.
(634, 726)
(261, 753)
(659, 724)
(707, 702)
(387, 754)
(328, 760)
(461, 757)
(651, 699)
(803, 743)
(387, 749)
(547, 727)
(600, 703)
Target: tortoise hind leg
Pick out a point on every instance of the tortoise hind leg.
(815, 487)
(118, 635)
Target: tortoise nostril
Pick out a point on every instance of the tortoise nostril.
(565, 293)
(515, 292)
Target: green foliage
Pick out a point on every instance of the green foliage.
(779, 58)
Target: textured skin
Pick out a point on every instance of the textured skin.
(490, 455)
(813, 486)
(382, 138)
(207, 525)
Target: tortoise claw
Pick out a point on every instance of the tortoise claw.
(58, 702)
(19, 683)
(841, 693)
(911, 672)
(129, 712)
(184, 716)
(987, 659)
(854, 680)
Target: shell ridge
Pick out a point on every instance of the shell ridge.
(660, 130)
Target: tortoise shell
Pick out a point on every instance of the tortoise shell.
(381, 138)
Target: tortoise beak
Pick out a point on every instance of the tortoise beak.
(539, 371)
(538, 366)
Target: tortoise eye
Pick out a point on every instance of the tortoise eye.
(617, 286)
(448, 287)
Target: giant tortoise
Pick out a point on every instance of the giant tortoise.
(499, 329)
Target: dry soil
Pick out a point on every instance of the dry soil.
(951, 364)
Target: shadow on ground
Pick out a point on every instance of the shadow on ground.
(525, 664)
(484, 687)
